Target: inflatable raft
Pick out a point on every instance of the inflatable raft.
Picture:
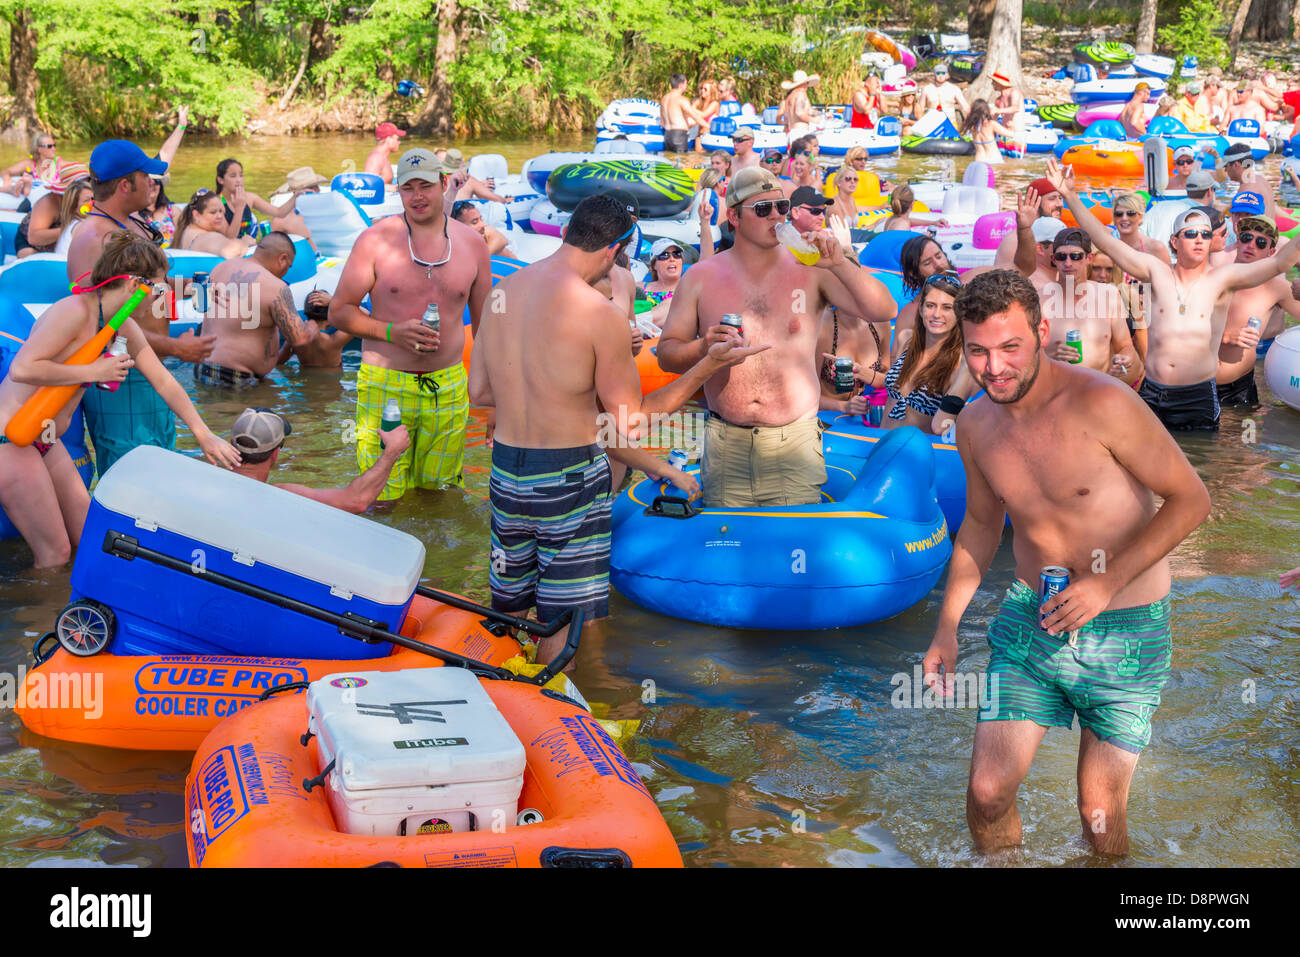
(1061, 115)
(340, 777)
(1104, 52)
(874, 546)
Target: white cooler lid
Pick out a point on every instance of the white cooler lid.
(417, 728)
(264, 524)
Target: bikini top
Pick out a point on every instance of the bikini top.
(658, 297)
(920, 399)
(246, 221)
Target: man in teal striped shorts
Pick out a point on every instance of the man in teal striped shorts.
(1076, 459)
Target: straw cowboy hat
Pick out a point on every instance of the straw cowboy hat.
(800, 79)
(1001, 79)
(304, 177)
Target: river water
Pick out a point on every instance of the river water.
(769, 749)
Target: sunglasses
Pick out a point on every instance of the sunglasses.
(45, 146)
(772, 159)
(459, 205)
(1193, 233)
(1185, 161)
(1126, 213)
(763, 208)
(669, 254)
(1073, 257)
(943, 279)
(1261, 242)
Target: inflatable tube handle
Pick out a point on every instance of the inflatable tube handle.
(39, 658)
(291, 686)
(318, 780)
(577, 617)
(678, 507)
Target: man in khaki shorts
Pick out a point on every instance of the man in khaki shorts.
(762, 443)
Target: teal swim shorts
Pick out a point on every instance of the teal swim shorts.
(1110, 673)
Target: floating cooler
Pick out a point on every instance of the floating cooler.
(415, 752)
(215, 520)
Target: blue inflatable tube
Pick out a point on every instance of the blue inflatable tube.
(15, 326)
(873, 547)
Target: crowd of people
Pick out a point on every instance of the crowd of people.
(1097, 332)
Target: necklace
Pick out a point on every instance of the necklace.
(428, 267)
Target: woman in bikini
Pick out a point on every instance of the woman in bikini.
(76, 203)
(40, 489)
(984, 132)
(928, 382)
(238, 205)
(201, 228)
(40, 229)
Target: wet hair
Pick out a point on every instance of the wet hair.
(909, 261)
(69, 206)
(224, 167)
(127, 253)
(598, 222)
(995, 291)
(935, 375)
(675, 80)
(978, 116)
(194, 207)
(901, 199)
(278, 243)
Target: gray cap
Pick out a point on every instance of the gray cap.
(259, 430)
(1198, 181)
(418, 164)
(1196, 212)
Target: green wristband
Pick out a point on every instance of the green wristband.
(389, 334)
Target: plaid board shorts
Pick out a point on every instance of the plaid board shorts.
(133, 415)
(210, 374)
(435, 411)
(551, 519)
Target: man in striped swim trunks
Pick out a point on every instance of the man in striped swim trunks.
(550, 354)
(404, 263)
(1076, 459)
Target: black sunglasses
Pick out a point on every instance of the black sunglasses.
(943, 279)
(1073, 257)
(1185, 161)
(669, 254)
(45, 146)
(1126, 213)
(1261, 241)
(1193, 233)
(763, 208)
(459, 205)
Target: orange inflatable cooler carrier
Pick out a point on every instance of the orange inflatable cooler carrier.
(431, 768)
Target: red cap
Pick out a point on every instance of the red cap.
(1043, 186)
(385, 130)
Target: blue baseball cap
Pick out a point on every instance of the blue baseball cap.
(1247, 202)
(113, 159)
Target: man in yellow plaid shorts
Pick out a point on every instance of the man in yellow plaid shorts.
(404, 264)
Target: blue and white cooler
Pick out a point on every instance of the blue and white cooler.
(215, 521)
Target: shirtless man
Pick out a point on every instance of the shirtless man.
(259, 434)
(405, 263)
(742, 141)
(1256, 240)
(40, 489)
(249, 308)
(1049, 200)
(387, 143)
(461, 185)
(1045, 230)
(467, 212)
(1244, 107)
(1134, 115)
(549, 358)
(1101, 647)
(135, 414)
(797, 112)
(762, 442)
(676, 115)
(944, 95)
(1187, 310)
(1092, 309)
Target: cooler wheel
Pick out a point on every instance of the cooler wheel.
(85, 627)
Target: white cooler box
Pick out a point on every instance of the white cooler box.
(416, 752)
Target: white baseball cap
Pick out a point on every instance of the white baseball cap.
(1045, 228)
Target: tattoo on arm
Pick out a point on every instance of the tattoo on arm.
(286, 318)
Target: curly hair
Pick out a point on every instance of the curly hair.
(995, 291)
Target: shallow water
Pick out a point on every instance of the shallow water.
(775, 749)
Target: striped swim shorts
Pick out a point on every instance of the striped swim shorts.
(1110, 672)
(435, 410)
(551, 511)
